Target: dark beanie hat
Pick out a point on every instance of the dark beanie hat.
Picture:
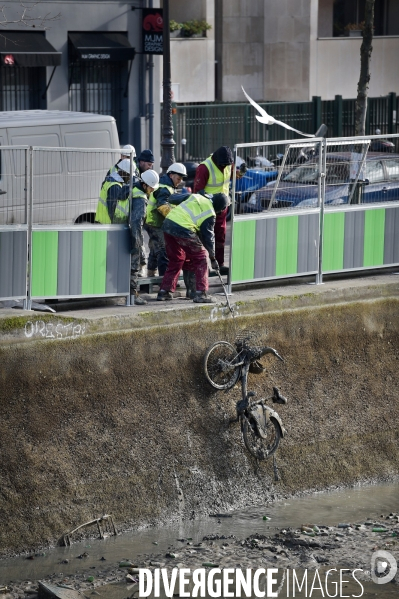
(220, 202)
(146, 156)
(223, 155)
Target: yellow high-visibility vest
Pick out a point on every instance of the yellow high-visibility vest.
(191, 213)
(121, 215)
(153, 217)
(218, 181)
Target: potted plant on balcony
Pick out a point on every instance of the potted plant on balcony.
(195, 28)
(354, 29)
(175, 28)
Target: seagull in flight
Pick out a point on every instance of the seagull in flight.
(266, 119)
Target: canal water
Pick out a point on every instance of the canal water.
(325, 508)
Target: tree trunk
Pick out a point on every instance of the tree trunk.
(364, 79)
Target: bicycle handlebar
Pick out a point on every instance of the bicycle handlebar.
(270, 350)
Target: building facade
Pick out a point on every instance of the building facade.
(86, 57)
(282, 50)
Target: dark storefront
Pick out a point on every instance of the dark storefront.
(24, 57)
(99, 70)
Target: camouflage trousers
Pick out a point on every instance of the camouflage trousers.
(135, 264)
(156, 243)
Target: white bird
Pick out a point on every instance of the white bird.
(266, 119)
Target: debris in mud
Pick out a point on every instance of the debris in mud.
(105, 526)
(288, 547)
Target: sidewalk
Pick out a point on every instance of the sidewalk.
(110, 314)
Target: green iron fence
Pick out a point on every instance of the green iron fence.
(208, 126)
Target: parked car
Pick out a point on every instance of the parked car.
(298, 188)
(253, 179)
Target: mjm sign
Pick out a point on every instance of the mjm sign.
(152, 30)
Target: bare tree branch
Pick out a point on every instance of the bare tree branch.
(26, 18)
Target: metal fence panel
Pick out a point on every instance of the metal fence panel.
(89, 262)
(70, 256)
(13, 263)
(329, 206)
(361, 238)
(14, 228)
(205, 127)
(14, 185)
(66, 183)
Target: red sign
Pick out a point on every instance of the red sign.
(152, 30)
(153, 22)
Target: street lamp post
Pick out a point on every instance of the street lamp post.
(167, 142)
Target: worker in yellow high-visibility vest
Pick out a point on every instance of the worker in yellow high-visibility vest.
(142, 189)
(213, 175)
(189, 239)
(159, 205)
(113, 203)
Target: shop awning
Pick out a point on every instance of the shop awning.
(27, 49)
(100, 46)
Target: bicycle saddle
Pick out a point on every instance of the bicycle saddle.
(277, 398)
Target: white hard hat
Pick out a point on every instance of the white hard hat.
(124, 165)
(151, 178)
(378, 131)
(239, 161)
(131, 150)
(178, 168)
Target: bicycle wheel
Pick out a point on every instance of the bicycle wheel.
(258, 447)
(219, 365)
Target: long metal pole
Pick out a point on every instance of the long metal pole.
(151, 94)
(167, 142)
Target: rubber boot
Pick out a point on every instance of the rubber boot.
(164, 296)
(189, 281)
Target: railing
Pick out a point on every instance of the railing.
(209, 126)
(324, 206)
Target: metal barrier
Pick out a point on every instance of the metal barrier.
(329, 206)
(14, 224)
(49, 244)
(82, 260)
(308, 208)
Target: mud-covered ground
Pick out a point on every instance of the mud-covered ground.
(310, 546)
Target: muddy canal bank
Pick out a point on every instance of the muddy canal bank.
(124, 423)
(266, 536)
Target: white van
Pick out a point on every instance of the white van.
(66, 182)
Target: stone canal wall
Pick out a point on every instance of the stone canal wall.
(116, 416)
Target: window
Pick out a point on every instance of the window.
(392, 166)
(374, 172)
(349, 13)
(21, 88)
